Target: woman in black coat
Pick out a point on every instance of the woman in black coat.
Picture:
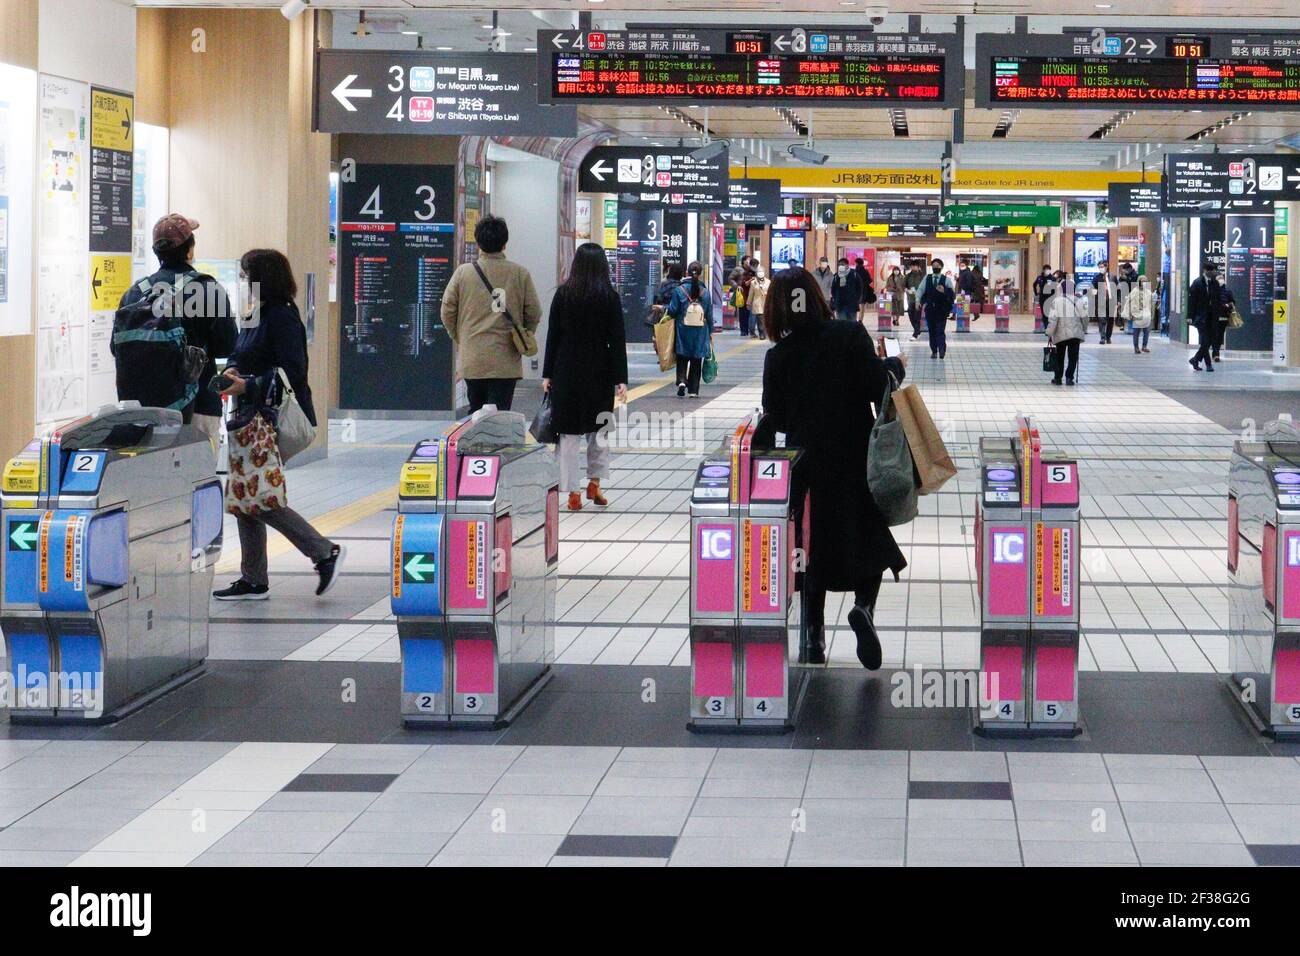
(819, 382)
(584, 368)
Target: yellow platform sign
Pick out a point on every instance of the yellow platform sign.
(110, 277)
(112, 120)
(850, 214)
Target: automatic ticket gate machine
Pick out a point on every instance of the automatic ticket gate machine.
(745, 614)
(111, 529)
(1264, 574)
(475, 557)
(1027, 563)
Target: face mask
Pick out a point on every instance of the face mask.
(936, 269)
(843, 270)
(760, 272)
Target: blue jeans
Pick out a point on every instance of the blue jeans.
(1141, 334)
(938, 333)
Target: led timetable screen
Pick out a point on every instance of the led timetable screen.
(1152, 71)
(714, 66)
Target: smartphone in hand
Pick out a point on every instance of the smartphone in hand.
(218, 384)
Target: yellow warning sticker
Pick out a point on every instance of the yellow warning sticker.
(420, 479)
(397, 555)
(110, 277)
(112, 120)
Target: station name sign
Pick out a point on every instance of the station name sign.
(779, 65)
(434, 94)
(1138, 69)
(1211, 183)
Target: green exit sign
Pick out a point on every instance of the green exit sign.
(1001, 214)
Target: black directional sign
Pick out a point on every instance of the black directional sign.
(752, 201)
(1211, 183)
(685, 65)
(434, 94)
(1135, 199)
(656, 176)
(1138, 70)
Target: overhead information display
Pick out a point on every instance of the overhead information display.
(1210, 183)
(1135, 199)
(434, 94)
(1138, 69)
(752, 201)
(656, 176)
(777, 65)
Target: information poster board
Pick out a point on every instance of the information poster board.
(112, 212)
(1281, 305)
(638, 266)
(1248, 246)
(17, 147)
(397, 242)
(62, 307)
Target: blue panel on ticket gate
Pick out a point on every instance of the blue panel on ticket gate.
(423, 665)
(29, 661)
(416, 565)
(62, 585)
(81, 661)
(22, 559)
(82, 471)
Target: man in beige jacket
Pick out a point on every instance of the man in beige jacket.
(474, 313)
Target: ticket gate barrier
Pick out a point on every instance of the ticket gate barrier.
(1039, 324)
(961, 312)
(1264, 582)
(884, 312)
(747, 645)
(1001, 313)
(1027, 561)
(111, 527)
(475, 557)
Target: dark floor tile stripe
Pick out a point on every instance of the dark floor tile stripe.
(582, 844)
(340, 782)
(958, 790)
(1275, 854)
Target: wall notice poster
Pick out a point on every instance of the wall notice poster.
(397, 242)
(1281, 230)
(62, 308)
(638, 266)
(1248, 242)
(1004, 274)
(17, 132)
(112, 215)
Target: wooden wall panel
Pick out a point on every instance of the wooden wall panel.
(18, 46)
(152, 67)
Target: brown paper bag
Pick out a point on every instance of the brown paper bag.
(666, 343)
(933, 464)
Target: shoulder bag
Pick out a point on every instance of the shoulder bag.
(889, 464)
(524, 339)
(294, 432)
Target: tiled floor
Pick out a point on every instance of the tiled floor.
(1153, 471)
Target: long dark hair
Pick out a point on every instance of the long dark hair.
(695, 269)
(269, 272)
(588, 280)
(794, 300)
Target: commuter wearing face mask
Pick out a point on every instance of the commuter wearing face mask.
(937, 295)
(846, 292)
(758, 286)
(824, 275)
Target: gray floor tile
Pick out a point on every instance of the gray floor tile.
(1193, 854)
(1054, 853)
(372, 859)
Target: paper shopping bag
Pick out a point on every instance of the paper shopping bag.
(933, 464)
(666, 343)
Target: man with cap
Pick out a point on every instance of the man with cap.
(207, 314)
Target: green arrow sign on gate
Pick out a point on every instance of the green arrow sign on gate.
(1001, 214)
(22, 535)
(418, 567)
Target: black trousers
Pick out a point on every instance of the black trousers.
(814, 597)
(1220, 334)
(490, 391)
(1068, 349)
(914, 316)
(1105, 327)
(688, 372)
(742, 318)
(1206, 349)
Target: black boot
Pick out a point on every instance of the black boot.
(815, 652)
(869, 652)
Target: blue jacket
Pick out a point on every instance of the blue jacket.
(692, 341)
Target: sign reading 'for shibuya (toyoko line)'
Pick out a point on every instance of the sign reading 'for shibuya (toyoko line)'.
(682, 65)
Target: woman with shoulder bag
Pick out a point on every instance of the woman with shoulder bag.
(270, 352)
(692, 310)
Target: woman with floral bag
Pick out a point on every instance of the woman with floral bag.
(270, 352)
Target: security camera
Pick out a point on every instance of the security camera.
(806, 154)
(291, 9)
(877, 13)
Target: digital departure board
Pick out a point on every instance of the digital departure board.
(1138, 70)
(781, 65)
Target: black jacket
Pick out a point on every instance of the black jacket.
(846, 292)
(937, 295)
(585, 359)
(1204, 301)
(819, 384)
(212, 326)
(276, 338)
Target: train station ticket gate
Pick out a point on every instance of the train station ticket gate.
(1001, 313)
(475, 556)
(747, 671)
(111, 528)
(1264, 575)
(1027, 554)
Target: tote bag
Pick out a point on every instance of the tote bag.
(890, 473)
(256, 482)
(294, 431)
(934, 466)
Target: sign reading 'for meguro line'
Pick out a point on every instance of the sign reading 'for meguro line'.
(435, 94)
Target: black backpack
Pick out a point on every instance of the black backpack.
(156, 365)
